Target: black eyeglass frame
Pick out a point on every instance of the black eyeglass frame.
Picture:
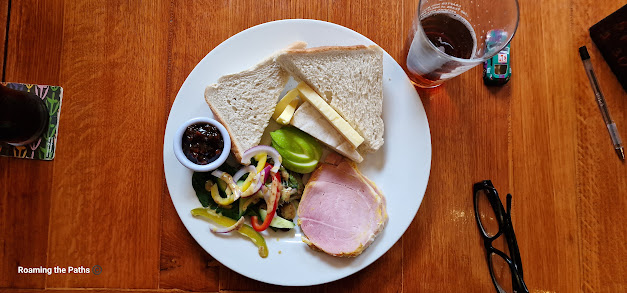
(504, 221)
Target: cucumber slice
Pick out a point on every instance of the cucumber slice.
(277, 222)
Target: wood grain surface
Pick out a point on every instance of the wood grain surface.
(4, 18)
(104, 201)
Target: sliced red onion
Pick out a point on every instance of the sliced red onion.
(252, 189)
(234, 227)
(264, 173)
(270, 151)
(261, 180)
(248, 169)
(229, 182)
(256, 182)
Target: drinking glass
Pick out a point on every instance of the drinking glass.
(448, 37)
(23, 116)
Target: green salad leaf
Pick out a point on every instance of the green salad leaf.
(232, 212)
(204, 196)
(198, 183)
(228, 169)
(292, 182)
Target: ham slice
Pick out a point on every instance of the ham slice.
(341, 211)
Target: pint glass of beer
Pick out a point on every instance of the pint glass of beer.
(449, 37)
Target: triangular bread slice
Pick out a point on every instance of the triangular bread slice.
(244, 102)
(350, 79)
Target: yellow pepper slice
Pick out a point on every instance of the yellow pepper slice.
(215, 194)
(245, 230)
(261, 159)
(247, 182)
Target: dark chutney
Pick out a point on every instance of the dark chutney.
(202, 143)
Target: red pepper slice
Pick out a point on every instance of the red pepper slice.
(276, 192)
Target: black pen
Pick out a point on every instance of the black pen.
(611, 126)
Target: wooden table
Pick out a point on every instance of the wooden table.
(104, 201)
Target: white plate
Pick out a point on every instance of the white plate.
(400, 168)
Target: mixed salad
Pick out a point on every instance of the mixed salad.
(267, 188)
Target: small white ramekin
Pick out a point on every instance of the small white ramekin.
(178, 145)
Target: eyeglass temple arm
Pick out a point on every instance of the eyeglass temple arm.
(515, 252)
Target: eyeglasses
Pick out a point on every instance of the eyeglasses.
(493, 221)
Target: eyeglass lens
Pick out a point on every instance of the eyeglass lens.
(501, 272)
(486, 214)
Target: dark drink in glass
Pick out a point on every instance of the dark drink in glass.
(448, 33)
(451, 34)
(23, 116)
(447, 37)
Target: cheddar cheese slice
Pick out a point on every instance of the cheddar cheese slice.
(308, 94)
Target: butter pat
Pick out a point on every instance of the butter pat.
(286, 116)
(330, 114)
(284, 102)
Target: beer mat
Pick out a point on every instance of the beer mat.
(44, 147)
